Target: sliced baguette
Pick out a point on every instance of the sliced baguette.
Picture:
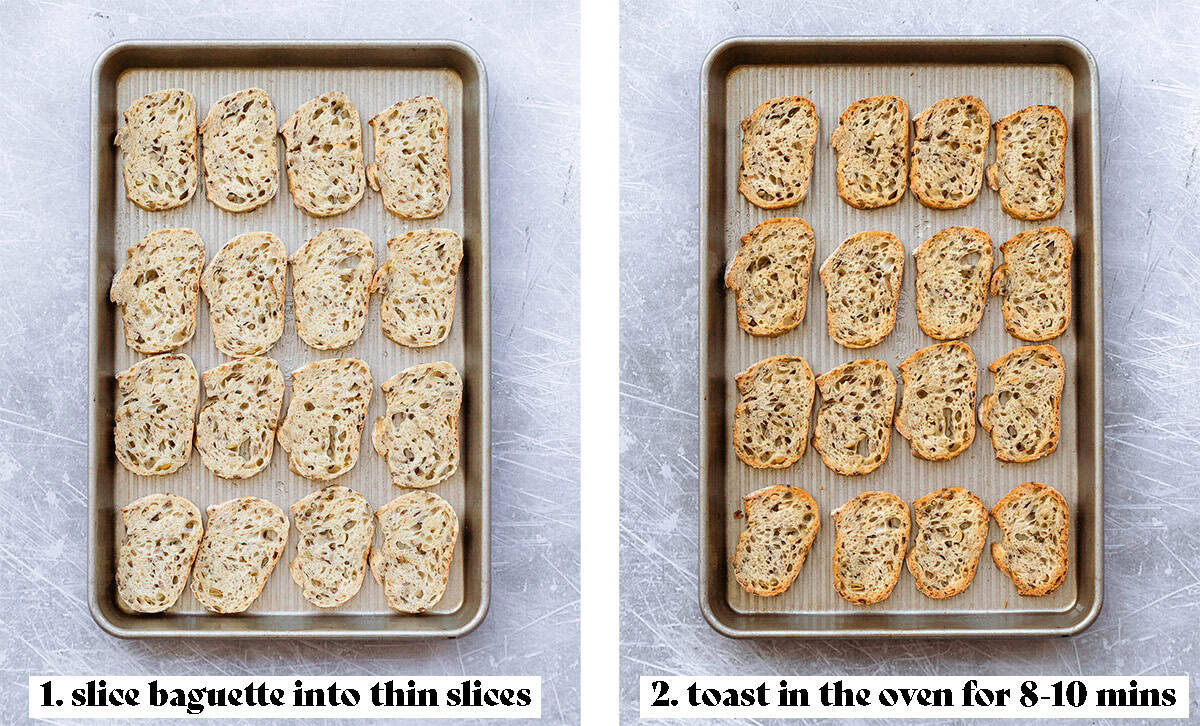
(419, 532)
(244, 540)
(862, 288)
(1033, 550)
(854, 423)
(770, 422)
(781, 524)
(236, 432)
(156, 414)
(1035, 283)
(162, 535)
(769, 276)
(952, 528)
(871, 144)
(157, 288)
(418, 284)
(868, 549)
(241, 166)
(331, 281)
(937, 408)
(158, 150)
(1021, 412)
(411, 169)
(322, 431)
(418, 435)
(948, 152)
(245, 285)
(323, 145)
(1030, 171)
(777, 152)
(953, 269)
(334, 528)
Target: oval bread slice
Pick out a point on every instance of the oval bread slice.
(1021, 413)
(871, 144)
(241, 168)
(937, 407)
(411, 169)
(1033, 550)
(419, 531)
(854, 423)
(334, 528)
(777, 152)
(158, 150)
(953, 270)
(1035, 283)
(418, 284)
(952, 528)
(322, 431)
(770, 422)
(1030, 171)
(162, 535)
(236, 432)
(331, 280)
(157, 288)
(948, 152)
(245, 285)
(156, 414)
(324, 157)
(781, 524)
(868, 548)
(862, 288)
(769, 276)
(244, 540)
(418, 436)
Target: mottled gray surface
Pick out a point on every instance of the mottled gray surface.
(46, 56)
(1150, 103)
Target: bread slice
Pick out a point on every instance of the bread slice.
(777, 152)
(236, 431)
(1021, 412)
(162, 535)
(157, 288)
(323, 428)
(868, 548)
(953, 269)
(952, 528)
(769, 276)
(158, 150)
(419, 531)
(781, 524)
(948, 152)
(334, 528)
(241, 168)
(331, 281)
(245, 284)
(770, 423)
(1035, 282)
(871, 144)
(244, 540)
(854, 423)
(937, 408)
(324, 157)
(1030, 171)
(418, 436)
(1033, 550)
(156, 414)
(418, 284)
(862, 288)
(411, 169)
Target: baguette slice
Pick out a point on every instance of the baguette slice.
(862, 288)
(322, 431)
(419, 531)
(244, 540)
(157, 289)
(868, 549)
(156, 414)
(1033, 550)
(241, 166)
(769, 276)
(777, 152)
(1030, 171)
(1035, 282)
(937, 408)
(334, 528)
(871, 144)
(948, 152)
(162, 535)
(245, 285)
(1021, 412)
(953, 268)
(411, 169)
(418, 284)
(158, 149)
(323, 144)
(952, 528)
(781, 524)
(418, 436)
(854, 423)
(236, 432)
(770, 423)
(331, 280)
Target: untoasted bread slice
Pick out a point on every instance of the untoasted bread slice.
(868, 549)
(854, 423)
(418, 284)
(236, 431)
(777, 152)
(244, 540)
(862, 288)
(948, 152)
(1021, 412)
(331, 281)
(245, 284)
(937, 408)
(323, 144)
(871, 144)
(781, 524)
(770, 423)
(322, 431)
(162, 535)
(158, 150)
(952, 528)
(334, 528)
(241, 168)
(156, 414)
(418, 436)
(953, 269)
(157, 288)
(1033, 551)
(769, 276)
(1035, 282)
(411, 169)
(1030, 171)
(419, 531)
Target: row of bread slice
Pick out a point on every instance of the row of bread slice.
(872, 539)
(323, 153)
(948, 154)
(231, 559)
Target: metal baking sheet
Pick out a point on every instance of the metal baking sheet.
(374, 75)
(1008, 74)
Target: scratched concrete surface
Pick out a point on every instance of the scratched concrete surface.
(46, 54)
(1150, 103)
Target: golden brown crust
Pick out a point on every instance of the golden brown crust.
(913, 174)
(1061, 551)
(842, 186)
(743, 317)
(924, 316)
(885, 437)
(981, 531)
(1002, 147)
(919, 450)
(989, 400)
(906, 525)
(760, 111)
(831, 321)
(748, 503)
(741, 412)
(999, 285)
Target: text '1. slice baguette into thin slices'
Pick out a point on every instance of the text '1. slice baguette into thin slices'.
(241, 165)
(769, 276)
(418, 435)
(937, 407)
(245, 285)
(419, 532)
(954, 267)
(1033, 551)
(862, 281)
(418, 282)
(162, 535)
(334, 528)
(777, 152)
(948, 152)
(770, 422)
(871, 144)
(1022, 411)
(1030, 171)
(322, 431)
(156, 414)
(781, 524)
(411, 169)
(1035, 283)
(157, 288)
(868, 547)
(236, 431)
(158, 150)
(952, 528)
(323, 152)
(854, 423)
(243, 541)
(331, 282)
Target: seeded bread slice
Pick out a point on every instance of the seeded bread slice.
(868, 549)
(854, 423)
(323, 144)
(769, 276)
(156, 414)
(162, 535)
(334, 528)
(862, 288)
(411, 169)
(418, 436)
(777, 152)
(871, 144)
(1021, 412)
(1033, 550)
(952, 528)
(418, 284)
(419, 531)
(236, 432)
(241, 168)
(157, 288)
(948, 152)
(953, 269)
(781, 524)
(937, 408)
(323, 428)
(158, 150)
(244, 540)
(1035, 283)
(770, 423)
(245, 284)
(331, 280)
(1030, 171)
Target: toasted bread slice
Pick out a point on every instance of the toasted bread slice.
(241, 166)
(323, 144)
(158, 150)
(1035, 282)
(871, 144)
(1030, 171)
(157, 288)
(868, 549)
(948, 152)
(937, 408)
(1033, 551)
(862, 288)
(418, 436)
(334, 528)
(781, 524)
(854, 423)
(769, 276)
(411, 169)
(953, 269)
(777, 152)
(952, 528)
(770, 423)
(418, 284)
(162, 535)
(1021, 412)
(245, 285)
(322, 431)
(244, 540)
(331, 281)
(236, 431)
(419, 531)
(156, 414)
